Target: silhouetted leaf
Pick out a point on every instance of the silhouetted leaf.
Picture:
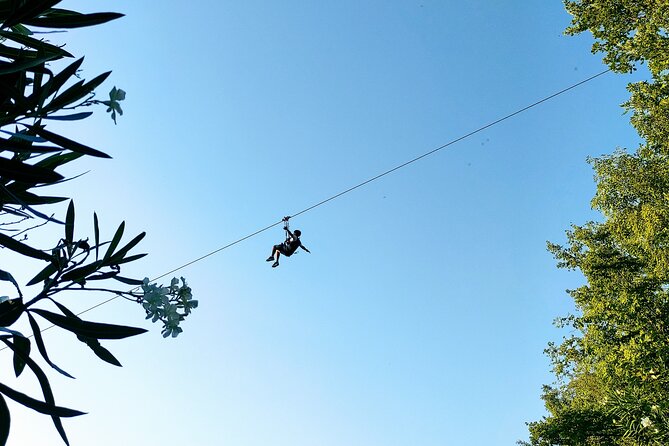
(103, 276)
(128, 281)
(41, 347)
(25, 198)
(46, 389)
(82, 271)
(100, 351)
(28, 173)
(73, 93)
(5, 276)
(35, 43)
(5, 421)
(22, 348)
(21, 248)
(54, 84)
(69, 144)
(44, 274)
(130, 259)
(69, 223)
(73, 19)
(24, 64)
(97, 80)
(39, 406)
(10, 311)
(96, 229)
(58, 160)
(13, 145)
(118, 256)
(115, 241)
(90, 329)
(28, 10)
(72, 117)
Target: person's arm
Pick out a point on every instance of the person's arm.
(304, 247)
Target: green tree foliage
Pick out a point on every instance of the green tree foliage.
(612, 383)
(38, 85)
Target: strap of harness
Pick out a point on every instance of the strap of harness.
(286, 227)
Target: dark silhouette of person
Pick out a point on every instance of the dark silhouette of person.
(288, 247)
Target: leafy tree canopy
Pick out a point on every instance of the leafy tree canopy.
(612, 383)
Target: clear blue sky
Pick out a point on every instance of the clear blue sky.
(421, 315)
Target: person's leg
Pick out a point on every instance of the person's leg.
(275, 250)
(280, 249)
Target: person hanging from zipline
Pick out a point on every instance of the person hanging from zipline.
(288, 247)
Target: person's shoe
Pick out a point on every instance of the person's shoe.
(270, 258)
(275, 264)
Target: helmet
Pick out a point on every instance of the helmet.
(297, 232)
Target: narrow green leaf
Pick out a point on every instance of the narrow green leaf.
(13, 145)
(39, 406)
(58, 160)
(7, 277)
(72, 94)
(128, 281)
(69, 223)
(35, 43)
(57, 81)
(97, 80)
(118, 256)
(24, 64)
(37, 333)
(22, 29)
(96, 228)
(26, 197)
(28, 10)
(90, 329)
(100, 351)
(44, 274)
(115, 241)
(5, 421)
(69, 144)
(72, 117)
(46, 389)
(130, 259)
(82, 272)
(22, 248)
(22, 348)
(28, 173)
(74, 20)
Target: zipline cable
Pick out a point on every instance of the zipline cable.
(359, 185)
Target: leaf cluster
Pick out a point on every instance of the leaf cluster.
(39, 85)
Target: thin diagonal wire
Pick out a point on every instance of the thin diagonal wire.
(359, 185)
(480, 129)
